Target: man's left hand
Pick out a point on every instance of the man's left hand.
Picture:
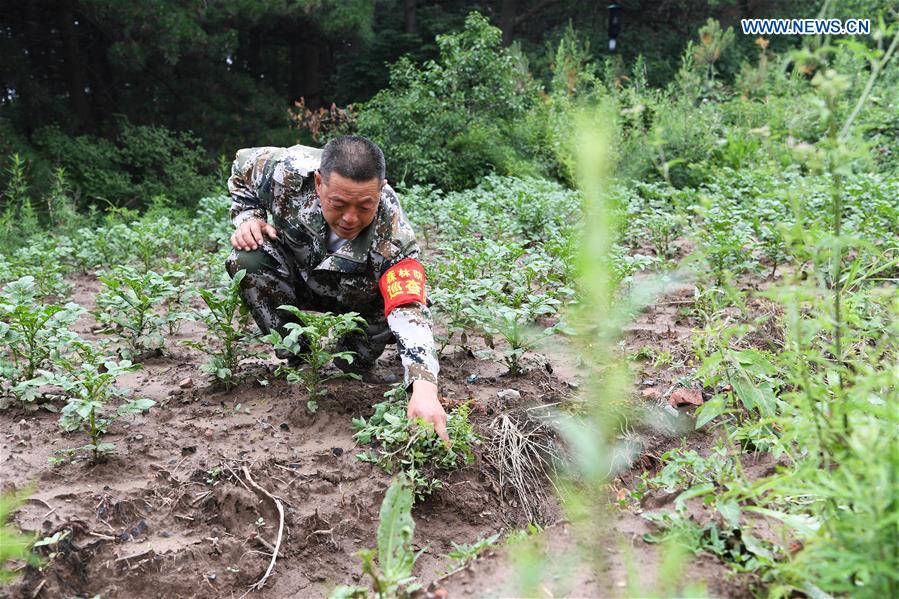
(425, 405)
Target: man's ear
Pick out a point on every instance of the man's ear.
(319, 181)
(383, 183)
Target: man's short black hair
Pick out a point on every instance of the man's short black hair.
(354, 157)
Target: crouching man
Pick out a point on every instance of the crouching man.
(321, 230)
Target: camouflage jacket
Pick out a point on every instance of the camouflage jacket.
(279, 182)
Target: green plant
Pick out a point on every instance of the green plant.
(313, 341)
(390, 565)
(19, 220)
(31, 331)
(685, 469)
(413, 447)
(227, 339)
(726, 237)
(43, 259)
(736, 546)
(515, 326)
(456, 113)
(14, 544)
(131, 306)
(463, 553)
(60, 204)
(136, 163)
(88, 377)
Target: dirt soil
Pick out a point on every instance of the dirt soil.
(174, 512)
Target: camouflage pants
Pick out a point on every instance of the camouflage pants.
(272, 280)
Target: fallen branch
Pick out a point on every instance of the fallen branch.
(261, 582)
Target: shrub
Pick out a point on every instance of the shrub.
(450, 121)
(139, 163)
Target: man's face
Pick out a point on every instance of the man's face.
(348, 206)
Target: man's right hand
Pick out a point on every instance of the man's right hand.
(249, 234)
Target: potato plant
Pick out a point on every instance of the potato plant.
(413, 447)
(30, 330)
(131, 306)
(312, 341)
(88, 377)
(227, 338)
(45, 263)
(515, 326)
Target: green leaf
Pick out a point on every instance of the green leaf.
(710, 410)
(348, 592)
(137, 405)
(697, 491)
(801, 523)
(395, 530)
(755, 546)
(730, 511)
(752, 396)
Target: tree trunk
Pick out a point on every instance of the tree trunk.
(73, 66)
(310, 58)
(507, 16)
(409, 25)
(295, 81)
(253, 53)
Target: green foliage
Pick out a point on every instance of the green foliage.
(31, 331)
(413, 448)
(43, 259)
(141, 162)
(88, 377)
(737, 547)
(521, 269)
(226, 340)
(14, 544)
(514, 325)
(61, 209)
(463, 553)
(391, 572)
(313, 340)
(131, 306)
(684, 469)
(450, 121)
(18, 220)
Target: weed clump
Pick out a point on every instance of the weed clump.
(413, 448)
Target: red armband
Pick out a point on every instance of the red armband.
(403, 283)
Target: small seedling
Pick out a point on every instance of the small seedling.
(516, 326)
(227, 337)
(313, 340)
(213, 475)
(463, 553)
(88, 377)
